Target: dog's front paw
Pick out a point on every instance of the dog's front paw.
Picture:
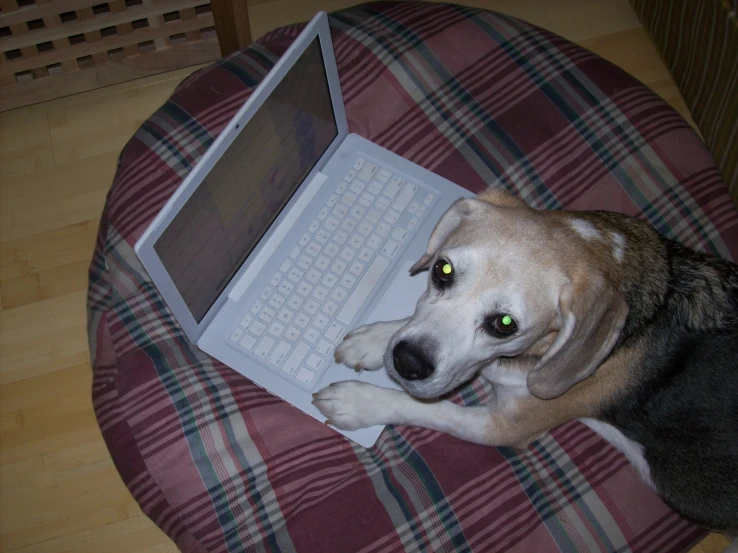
(352, 405)
(364, 347)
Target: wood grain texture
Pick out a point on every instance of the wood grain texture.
(59, 491)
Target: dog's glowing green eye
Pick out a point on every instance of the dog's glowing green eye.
(500, 325)
(443, 271)
(507, 320)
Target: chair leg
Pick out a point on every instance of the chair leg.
(231, 24)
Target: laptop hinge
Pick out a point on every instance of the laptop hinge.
(277, 237)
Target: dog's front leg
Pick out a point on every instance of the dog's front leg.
(363, 348)
(354, 405)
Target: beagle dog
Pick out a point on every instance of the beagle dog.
(569, 315)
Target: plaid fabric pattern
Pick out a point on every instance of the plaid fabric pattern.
(482, 99)
(699, 42)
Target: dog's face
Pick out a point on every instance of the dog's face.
(498, 286)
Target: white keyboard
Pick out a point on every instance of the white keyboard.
(316, 293)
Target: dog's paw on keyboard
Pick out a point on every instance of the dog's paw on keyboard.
(363, 348)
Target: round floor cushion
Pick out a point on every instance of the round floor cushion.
(484, 100)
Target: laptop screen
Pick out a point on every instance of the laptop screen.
(221, 223)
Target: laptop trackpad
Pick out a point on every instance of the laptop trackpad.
(401, 297)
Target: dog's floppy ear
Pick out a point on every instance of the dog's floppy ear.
(449, 222)
(593, 317)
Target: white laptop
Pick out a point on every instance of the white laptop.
(290, 232)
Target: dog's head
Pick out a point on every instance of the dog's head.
(505, 280)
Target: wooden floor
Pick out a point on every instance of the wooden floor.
(59, 489)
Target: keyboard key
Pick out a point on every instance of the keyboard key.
(383, 229)
(324, 348)
(286, 316)
(412, 223)
(390, 248)
(367, 171)
(304, 262)
(421, 210)
(276, 301)
(266, 315)
(312, 335)
(365, 228)
(407, 194)
(382, 204)
(348, 281)
(304, 289)
(340, 237)
(383, 176)
(313, 276)
(356, 241)
(329, 280)
(266, 293)
(323, 213)
(366, 199)
(375, 242)
(280, 353)
(302, 320)
(315, 225)
(339, 294)
(393, 187)
(348, 199)
(340, 211)
(332, 200)
(375, 188)
(294, 254)
(392, 216)
(236, 336)
(349, 224)
(313, 249)
(322, 236)
(295, 358)
(305, 239)
(246, 321)
(305, 376)
(311, 307)
(365, 255)
(314, 362)
(357, 212)
(331, 223)
(365, 286)
(357, 187)
(347, 254)
(287, 263)
(295, 302)
(359, 163)
(295, 275)
(350, 175)
(320, 293)
(264, 347)
(332, 249)
(321, 321)
(322, 263)
(256, 308)
(257, 328)
(330, 308)
(286, 288)
(338, 267)
(292, 334)
(357, 268)
(341, 188)
(276, 279)
(400, 234)
(373, 216)
(276, 329)
(428, 199)
(413, 208)
(335, 332)
(247, 342)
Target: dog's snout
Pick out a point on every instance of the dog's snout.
(410, 362)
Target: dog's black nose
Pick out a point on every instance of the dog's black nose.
(410, 362)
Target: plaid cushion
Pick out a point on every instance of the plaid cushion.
(484, 100)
